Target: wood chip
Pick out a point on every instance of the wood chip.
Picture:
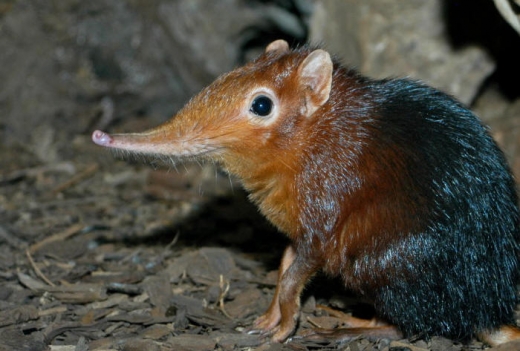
(19, 314)
(160, 292)
(197, 313)
(191, 342)
(405, 346)
(140, 345)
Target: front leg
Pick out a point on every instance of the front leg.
(284, 310)
(267, 322)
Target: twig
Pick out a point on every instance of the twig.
(60, 236)
(34, 172)
(51, 311)
(223, 292)
(131, 255)
(313, 323)
(37, 270)
(167, 249)
(173, 242)
(76, 178)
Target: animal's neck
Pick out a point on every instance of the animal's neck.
(271, 187)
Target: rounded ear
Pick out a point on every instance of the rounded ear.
(315, 80)
(278, 45)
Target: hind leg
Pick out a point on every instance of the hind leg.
(501, 335)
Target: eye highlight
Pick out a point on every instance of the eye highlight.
(262, 106)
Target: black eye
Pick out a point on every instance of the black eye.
(261, 106)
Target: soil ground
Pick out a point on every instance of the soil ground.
(100, 253)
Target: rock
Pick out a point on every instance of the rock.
(405, 38)
(80, 64)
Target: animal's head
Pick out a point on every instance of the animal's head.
(246, 116)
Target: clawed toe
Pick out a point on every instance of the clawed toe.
(274, 334)
(260, 332)
(263, 327)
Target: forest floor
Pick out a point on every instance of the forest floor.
(100, 253)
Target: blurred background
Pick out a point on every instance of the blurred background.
(68, 67)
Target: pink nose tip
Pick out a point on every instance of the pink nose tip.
(101, 138)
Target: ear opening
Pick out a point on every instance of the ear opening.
(315, 79)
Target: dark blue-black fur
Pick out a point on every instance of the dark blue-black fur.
(464, 265)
